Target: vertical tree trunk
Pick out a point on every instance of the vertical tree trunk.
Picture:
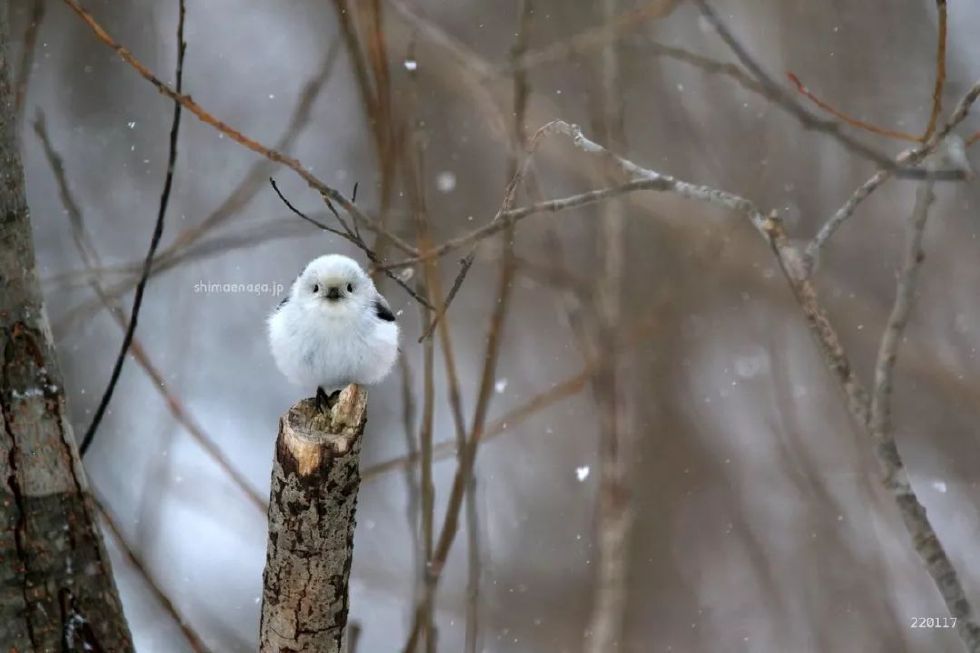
(315, 478)
(614, 510)
(56, 587)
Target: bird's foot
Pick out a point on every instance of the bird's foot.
(322, 401)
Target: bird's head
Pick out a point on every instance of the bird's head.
(334, 285)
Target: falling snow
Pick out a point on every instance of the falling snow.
(446, 181)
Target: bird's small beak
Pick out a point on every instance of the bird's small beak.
(333, 293)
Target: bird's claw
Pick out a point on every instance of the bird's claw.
(322, 401)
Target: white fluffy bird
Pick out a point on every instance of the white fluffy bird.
(334, 328)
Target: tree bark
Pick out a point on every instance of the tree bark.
(315, 478)
(56, 586)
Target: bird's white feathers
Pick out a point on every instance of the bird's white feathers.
(334, 328)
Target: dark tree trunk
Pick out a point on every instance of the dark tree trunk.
(56, 587)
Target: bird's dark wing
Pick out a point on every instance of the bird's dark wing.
(382, 310)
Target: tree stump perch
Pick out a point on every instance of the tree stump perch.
(315, 478)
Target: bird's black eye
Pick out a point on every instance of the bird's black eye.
(350, 287)
(316, 288)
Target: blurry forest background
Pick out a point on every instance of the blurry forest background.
(759, 523)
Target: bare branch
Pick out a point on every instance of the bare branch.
(614, 506)
(880, 419)
(920, 529)
(427, 603)
(842, 214)
(603, 35)
(850, 120)
(413, 169)
(351, 235)
(463, 482)
(771, 228)
(705, 64)
(506, 423)
(937, 91)
(154, 243)
(832, 128)
(924, 538)
(193, 639)
(413, 504)
(503, 218)
(178, 251)
(90, 258)
(503, 425)
(909, 157)
(238, 137)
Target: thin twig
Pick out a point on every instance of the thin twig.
(377, 54)
(193, 639)
(505, 218)
(832, 128)
(154, 242)
(505, 424)
(895, 477)
(937, 94)
(836, 358)
(912, 156)
(513, 216)
(432, 280)
(842, 214)
(472, 519)
(427, 485)
(351, 235)
(937, 90)
(478, 432)
(170, 256)
(413, 504)
(880, 419)
(413, 170)
(642, 179)
(467, 456)
(243, 238)
(472, 68)
(252, 182)
(90, 258)
(348, 32)
(592, 38)
(345, 234)
(925, 540)
(850, 120)
(614, 510)
(960, 112)
(273, 155)
(703, 63)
